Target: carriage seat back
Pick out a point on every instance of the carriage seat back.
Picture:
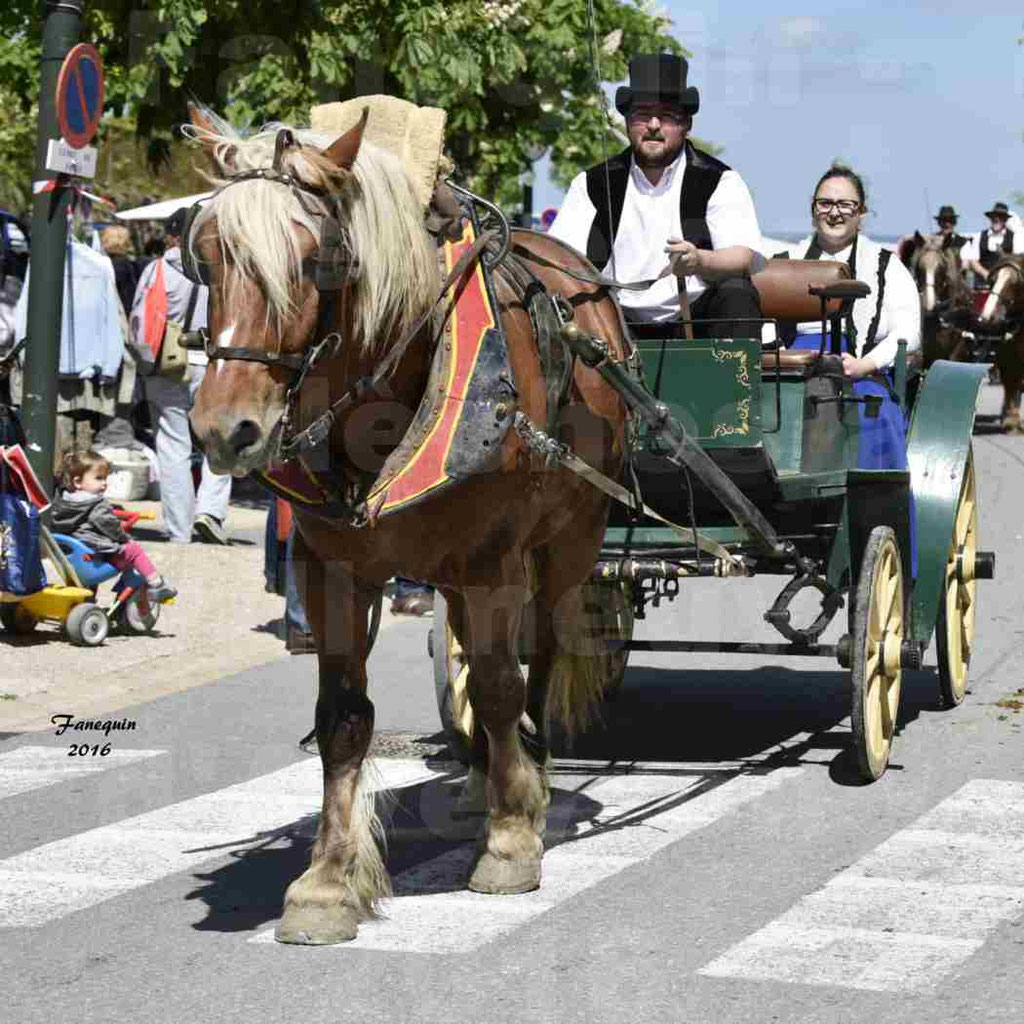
(782, 287)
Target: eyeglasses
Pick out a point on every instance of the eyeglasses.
(847, 207)
(669, 117)
(946, 223)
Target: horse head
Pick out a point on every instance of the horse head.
(315, 255)
(1006, 293)
(936, 266)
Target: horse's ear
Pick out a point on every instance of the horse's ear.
(202, 119)
(918, 240)
(344, 150)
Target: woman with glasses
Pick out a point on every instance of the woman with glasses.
(870, 334)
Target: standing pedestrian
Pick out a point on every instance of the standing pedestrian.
(170, 398)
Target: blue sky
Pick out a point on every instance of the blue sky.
(925, 99)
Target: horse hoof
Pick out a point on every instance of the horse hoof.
(317, 926)
(501, 877)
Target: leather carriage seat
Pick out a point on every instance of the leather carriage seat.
(782, 287)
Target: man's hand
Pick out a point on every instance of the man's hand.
(683, 257)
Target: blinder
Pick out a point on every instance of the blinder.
(195, 269)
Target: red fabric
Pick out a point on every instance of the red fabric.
(284, 519)
(132, 556)
(154, 314)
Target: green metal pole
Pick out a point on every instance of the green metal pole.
(49, 238)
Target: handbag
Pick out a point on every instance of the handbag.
(173, 359)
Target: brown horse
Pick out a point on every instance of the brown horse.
(490, 542)
(934, 260)
(1004, 311)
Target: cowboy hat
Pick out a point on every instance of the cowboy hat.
(947, 213)
(999, 210)
(660, 78)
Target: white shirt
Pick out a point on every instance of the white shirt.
(650, 217)
(901, 306)
(972, 250)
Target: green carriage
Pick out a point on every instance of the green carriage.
(745, 463)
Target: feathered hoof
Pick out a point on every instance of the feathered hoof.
(501, 877)
(317, 925)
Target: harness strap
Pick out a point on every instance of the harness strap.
(556, 452)
(585, 276)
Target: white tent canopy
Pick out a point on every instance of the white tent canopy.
(161, 210)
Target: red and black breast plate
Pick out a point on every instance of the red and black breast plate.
(464, 414)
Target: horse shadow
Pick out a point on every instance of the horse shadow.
(430, 847)
(666, 716)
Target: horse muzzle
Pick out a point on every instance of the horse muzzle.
(237, 447)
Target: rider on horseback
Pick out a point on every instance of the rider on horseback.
(662, 196)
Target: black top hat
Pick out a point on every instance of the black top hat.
(176, 221)
(946, 213)
(657, 77)
(999, 210)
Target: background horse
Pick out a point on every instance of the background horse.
(1004, 308)
(489, 542)
(935, 263)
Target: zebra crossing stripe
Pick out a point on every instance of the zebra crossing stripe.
(28, 768)
(432, 912)
(70, 874)
(910, 911)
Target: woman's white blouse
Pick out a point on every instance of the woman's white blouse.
(901, 306)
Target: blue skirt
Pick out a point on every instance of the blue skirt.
(882, 438)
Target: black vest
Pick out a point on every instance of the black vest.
(986, 257)
(607, 191)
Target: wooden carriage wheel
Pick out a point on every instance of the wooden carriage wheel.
(877, 639)
(954, 629)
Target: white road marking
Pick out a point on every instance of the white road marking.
(910, 911)
(636, 815)
(57, 878)
(28, 768)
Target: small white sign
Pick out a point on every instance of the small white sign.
(64, 159)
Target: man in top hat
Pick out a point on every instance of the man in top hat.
(997, 241)
(663, 209)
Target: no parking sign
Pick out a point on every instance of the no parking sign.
(80, 92)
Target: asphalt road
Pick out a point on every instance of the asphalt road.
(711, 859)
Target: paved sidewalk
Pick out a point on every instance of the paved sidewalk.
(222, 622)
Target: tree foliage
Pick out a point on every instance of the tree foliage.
(514, 75)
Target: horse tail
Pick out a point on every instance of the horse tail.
(592, 622)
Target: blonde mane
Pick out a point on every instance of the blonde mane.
(382, 225)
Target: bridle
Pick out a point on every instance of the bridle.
(331, 277)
